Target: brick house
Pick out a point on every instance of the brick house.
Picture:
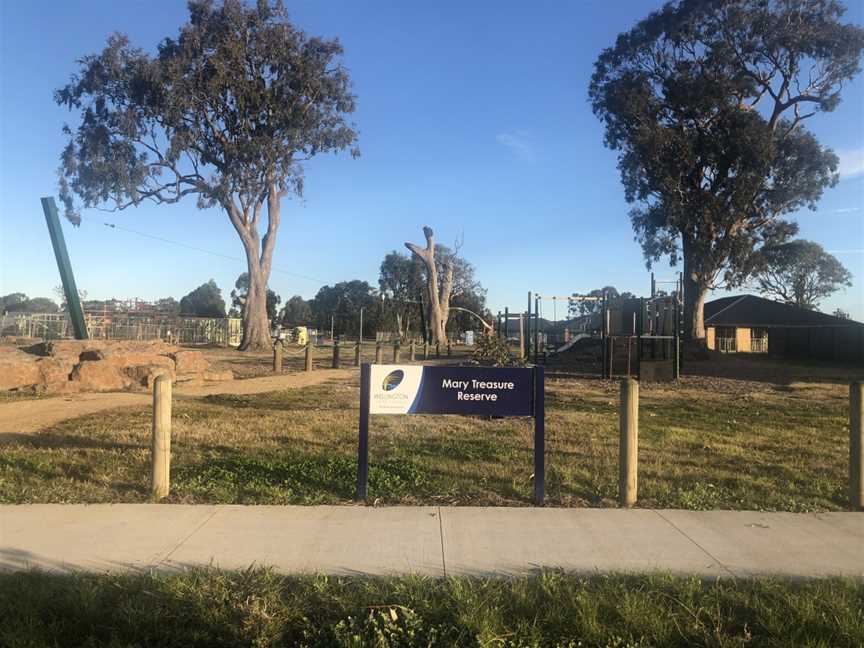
(751, 324)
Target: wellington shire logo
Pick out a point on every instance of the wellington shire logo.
(392, 380)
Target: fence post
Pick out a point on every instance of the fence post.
(277, 356)
(413, 353)
(160, 467)
(628, 449)
(335, 353)
(379, 352)
(357, 354)
(397, 347)
(856, 446)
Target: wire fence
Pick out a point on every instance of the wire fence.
(113, 326)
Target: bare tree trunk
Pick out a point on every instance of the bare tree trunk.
(694, 298)
(259, 259)
(437, 293)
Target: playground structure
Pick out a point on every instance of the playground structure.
(626, 336)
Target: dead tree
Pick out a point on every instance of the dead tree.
(438, 289)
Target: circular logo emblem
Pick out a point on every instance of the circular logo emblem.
(392, 380)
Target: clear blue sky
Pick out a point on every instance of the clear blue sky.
(473, 119)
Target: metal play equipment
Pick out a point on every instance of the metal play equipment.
(637, 336)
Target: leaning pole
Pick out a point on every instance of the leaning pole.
(76, 314)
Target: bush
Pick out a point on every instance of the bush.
(492, 350)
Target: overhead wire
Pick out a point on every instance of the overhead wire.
(161, 239)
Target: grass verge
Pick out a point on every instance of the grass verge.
(725, 444)
(260, 608)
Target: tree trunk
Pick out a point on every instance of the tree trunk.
(259, 258)
(256, 325)
(694, 298)
(438, 295)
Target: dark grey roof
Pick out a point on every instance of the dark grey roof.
(750, 310)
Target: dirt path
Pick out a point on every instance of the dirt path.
(28, 416)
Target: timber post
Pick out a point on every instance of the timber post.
(413, 352)
(309, 355)
(379, 353)
(336, 353)
(357, 354)
(277, 356)
(628, 448)
(397, 347)
(160, 466)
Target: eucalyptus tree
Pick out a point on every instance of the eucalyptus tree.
(226, 112)
(706, 103)
(800, 272)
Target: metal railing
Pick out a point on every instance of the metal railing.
(178, 330)
(759, 345)
(727, 345)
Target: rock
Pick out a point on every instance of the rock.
(17, 370)
(217, 376)
(99, 376)
(145, 375)
(187, 362)
(55, 372)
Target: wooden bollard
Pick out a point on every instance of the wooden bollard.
(379, 353)
(397, 347)
(277, 357)
(309, 356)
(449, 352)
(628, 449)
(413, 353)
(336, 353)
(160, 467)
(357, 354)
(438, 350)
(426, 349)
(856, 446)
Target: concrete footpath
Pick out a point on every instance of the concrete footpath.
(429, 540)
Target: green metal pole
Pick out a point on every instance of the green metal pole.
(76, 313)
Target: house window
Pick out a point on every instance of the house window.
(759, 340)
(725, 339)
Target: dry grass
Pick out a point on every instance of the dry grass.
(705, 443)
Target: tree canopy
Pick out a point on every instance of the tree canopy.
(205, 301)
(19, 302)
(800, 272)
(591, 307)
(705, 102)
(340, 306)
(226, 112)
(296, 312)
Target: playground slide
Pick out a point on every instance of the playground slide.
(573, 340)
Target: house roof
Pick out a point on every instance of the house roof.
(750, 310)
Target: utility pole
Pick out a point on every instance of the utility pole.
(73, 303)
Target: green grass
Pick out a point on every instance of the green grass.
(259, 608)
(730, 446)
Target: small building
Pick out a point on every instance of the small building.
(751, 324)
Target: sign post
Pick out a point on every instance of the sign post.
(539, 436)
(466, 391)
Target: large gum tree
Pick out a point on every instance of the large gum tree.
(227, 112)
(705, 102)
